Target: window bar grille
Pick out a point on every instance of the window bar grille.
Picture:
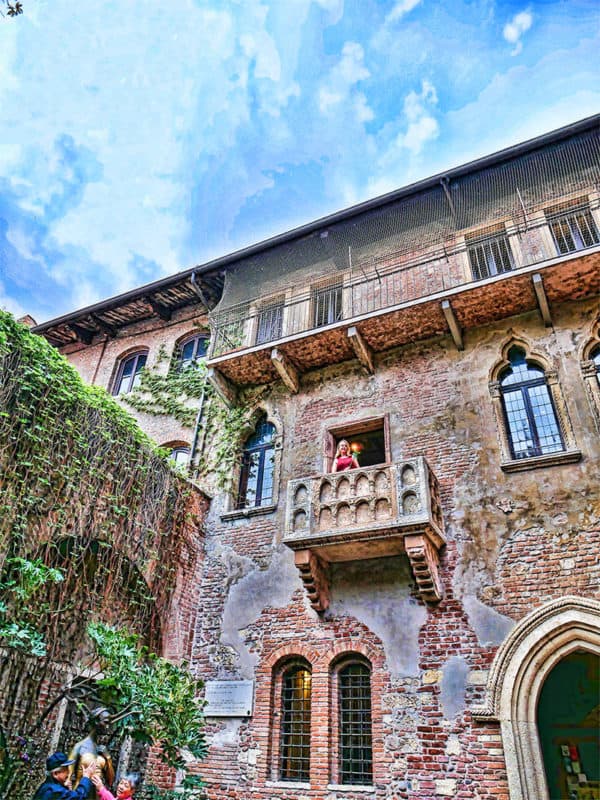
(295, 725)
(327, 305)
(574, 231)
(490, 257)
(269, 323)
(355, 738)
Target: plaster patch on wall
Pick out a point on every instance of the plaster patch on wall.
(453, 686)
(247, 598)
(377, 593)
(491, 628)
(228, 734)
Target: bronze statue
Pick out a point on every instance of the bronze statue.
(91, 749)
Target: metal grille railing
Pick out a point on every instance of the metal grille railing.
(355, 738)
(295, 725)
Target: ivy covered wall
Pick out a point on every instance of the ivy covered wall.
(85, 492)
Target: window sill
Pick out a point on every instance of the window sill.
(349, 787)
(549, 460)
(244, 513)
(286, 785)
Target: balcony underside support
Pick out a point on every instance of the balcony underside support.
(455, 330)
(424, 561)
(222, 387)
(287, 371)
(314, 573)
(542, 299)
(362, 349)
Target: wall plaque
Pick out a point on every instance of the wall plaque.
(229, 698)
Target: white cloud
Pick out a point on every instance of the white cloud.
(339, 87)
(514, 30)
(400, 9)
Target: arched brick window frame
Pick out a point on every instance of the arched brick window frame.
(533, 648)
(351, 720)
(127, 370)
(590, 367)
(569, 452)
(291, 712)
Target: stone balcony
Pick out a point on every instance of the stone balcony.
(366, 513)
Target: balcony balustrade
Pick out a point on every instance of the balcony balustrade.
(366, 513)
(390, 301)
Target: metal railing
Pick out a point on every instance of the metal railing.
(397, 277)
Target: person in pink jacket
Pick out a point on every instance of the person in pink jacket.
(125, 788)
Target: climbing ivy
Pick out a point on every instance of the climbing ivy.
(93, 522)
(167, 390)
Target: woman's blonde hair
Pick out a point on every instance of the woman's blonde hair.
(340, 443)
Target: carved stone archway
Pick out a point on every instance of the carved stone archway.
(533, 648)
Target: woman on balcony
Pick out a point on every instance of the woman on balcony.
(344, 457)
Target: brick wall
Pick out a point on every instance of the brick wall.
(514, 541)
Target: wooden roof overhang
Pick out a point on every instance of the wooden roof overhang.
(155, 300)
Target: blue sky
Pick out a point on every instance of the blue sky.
(138, 138)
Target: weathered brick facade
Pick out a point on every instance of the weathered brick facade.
(515, 540)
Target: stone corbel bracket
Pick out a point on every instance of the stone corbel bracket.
(424, 562)
(314, 573)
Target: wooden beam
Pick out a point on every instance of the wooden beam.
(163, 311)
(455, 330)
(83, 335)
(104, 326)
(362, 349)
(222, 386)
(287, 371)
(540, 293)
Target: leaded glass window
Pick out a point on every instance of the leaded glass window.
(295, 724)
(595, 357)
(258, 461)
(533, 428)
(355, 738)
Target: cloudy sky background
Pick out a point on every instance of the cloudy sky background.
(139, 138)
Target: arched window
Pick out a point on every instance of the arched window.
(531, 420)
(355, 749)
(180, 455)
(294, 748)
(129, 372)
(191, 350)
(258, 459)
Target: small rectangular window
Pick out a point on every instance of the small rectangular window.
(573, 229)
(489, 255)
(269, 325)
(368, 442)
(327, 304)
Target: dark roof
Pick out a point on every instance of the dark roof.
(204, 283)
